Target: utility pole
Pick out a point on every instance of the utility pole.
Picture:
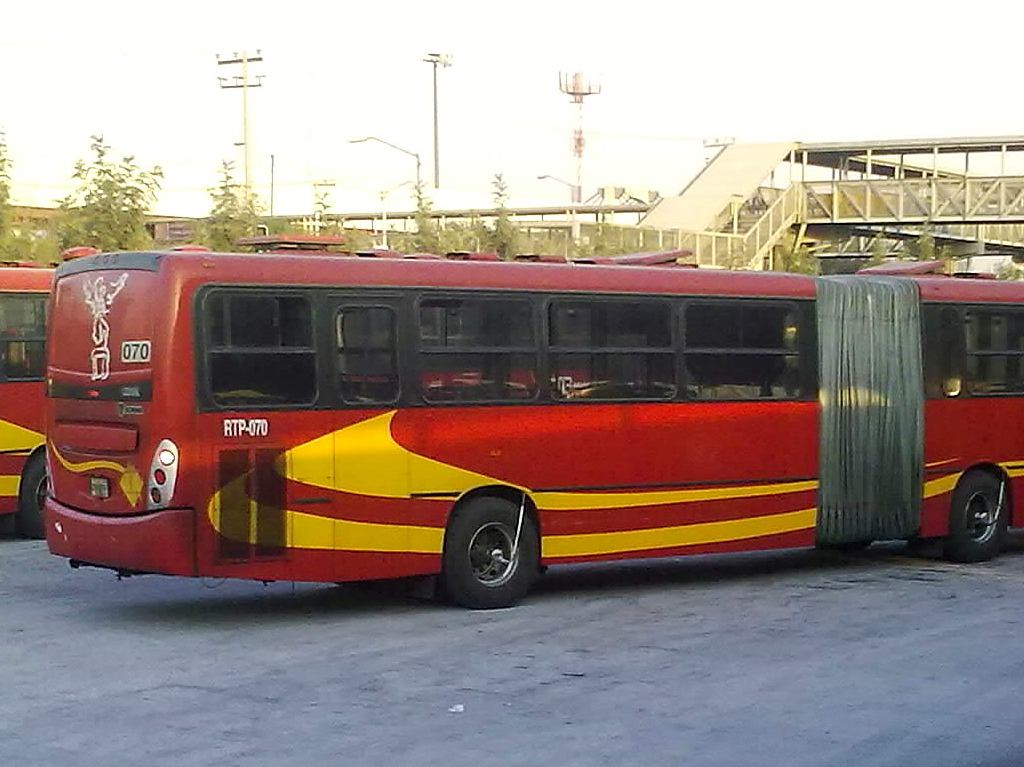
(577, 88)
(435, 60)
(242, 81)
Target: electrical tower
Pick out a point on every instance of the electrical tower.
(577, 88)
(242, 81)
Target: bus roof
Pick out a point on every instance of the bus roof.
(29, 279)
(608, 276)
(298, 269)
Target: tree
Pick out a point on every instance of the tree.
(503, 235)
(427, 239)
(108, 209)
(5, 195)
(233, 214)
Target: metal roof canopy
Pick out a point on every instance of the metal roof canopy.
(856, 155)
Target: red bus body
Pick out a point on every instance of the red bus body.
(350, 493)
(22, 392)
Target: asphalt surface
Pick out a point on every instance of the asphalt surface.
(787, 658)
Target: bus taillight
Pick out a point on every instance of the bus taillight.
(163, 473)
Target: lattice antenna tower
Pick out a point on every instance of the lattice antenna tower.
(577, 88)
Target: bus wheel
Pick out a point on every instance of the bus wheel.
(977, 519)
(31, 496)
(483, 566)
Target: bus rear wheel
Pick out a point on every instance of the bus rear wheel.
(977, 519)
(491, 554)
(31, 497)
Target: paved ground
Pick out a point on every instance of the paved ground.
(789, 659)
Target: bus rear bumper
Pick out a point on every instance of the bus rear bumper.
(158, 542)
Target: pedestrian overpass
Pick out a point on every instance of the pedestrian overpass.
(751, 199)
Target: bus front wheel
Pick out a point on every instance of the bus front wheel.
(31, 496)
(491, 553)
(977, 518)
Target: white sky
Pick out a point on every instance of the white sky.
(144, 75)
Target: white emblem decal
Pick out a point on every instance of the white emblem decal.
(99, 297)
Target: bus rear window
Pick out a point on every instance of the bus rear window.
(22, 336)
(259, 349)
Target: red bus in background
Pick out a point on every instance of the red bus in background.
(326, 418)
(24, 291)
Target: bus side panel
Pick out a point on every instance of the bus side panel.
(21, 432)
(963, 432)
(614, 480)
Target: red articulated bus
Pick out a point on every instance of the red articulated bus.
(328, 418)
(24, 290)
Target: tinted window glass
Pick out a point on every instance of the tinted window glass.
(22, 336)
(467, 323)
(613, 350)
(620, 325)
(737, 350)
(477, 350)
(995, 351)
(260, 349)
(367, 364)
(943, 349)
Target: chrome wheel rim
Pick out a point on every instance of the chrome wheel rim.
(490, 555)
(41, 494)
(982, 517)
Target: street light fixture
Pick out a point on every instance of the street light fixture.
(412, 154)
(384, 194)
(574, 226)
(572, 187)
(436, 60)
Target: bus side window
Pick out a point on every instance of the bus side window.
(259, 349)
(22, 337)
(943, 350)
(476, 350)
(611, 350)
(742, 350)
(367, 361)
(994, 350)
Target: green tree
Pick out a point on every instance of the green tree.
(428, 238)
(108, 209)
(6, 233)
(233, 214)
(504, 236)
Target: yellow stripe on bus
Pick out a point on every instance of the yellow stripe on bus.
(9, 484)
(14, 437)
(595, 544)
(84, 466)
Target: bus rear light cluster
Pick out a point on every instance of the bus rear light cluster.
(163, 473)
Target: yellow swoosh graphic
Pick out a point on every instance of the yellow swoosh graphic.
(309, 531)
(84, 466)
(9, 484)
(14, 437)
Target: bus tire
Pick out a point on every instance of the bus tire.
(478, 569)
(977, 520)
(31, 494)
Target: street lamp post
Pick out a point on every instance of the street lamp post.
(573, 223)
(414, 155)
(436, 60)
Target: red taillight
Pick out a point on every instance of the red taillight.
(159, 476)
(92, 393)
(155, 495)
